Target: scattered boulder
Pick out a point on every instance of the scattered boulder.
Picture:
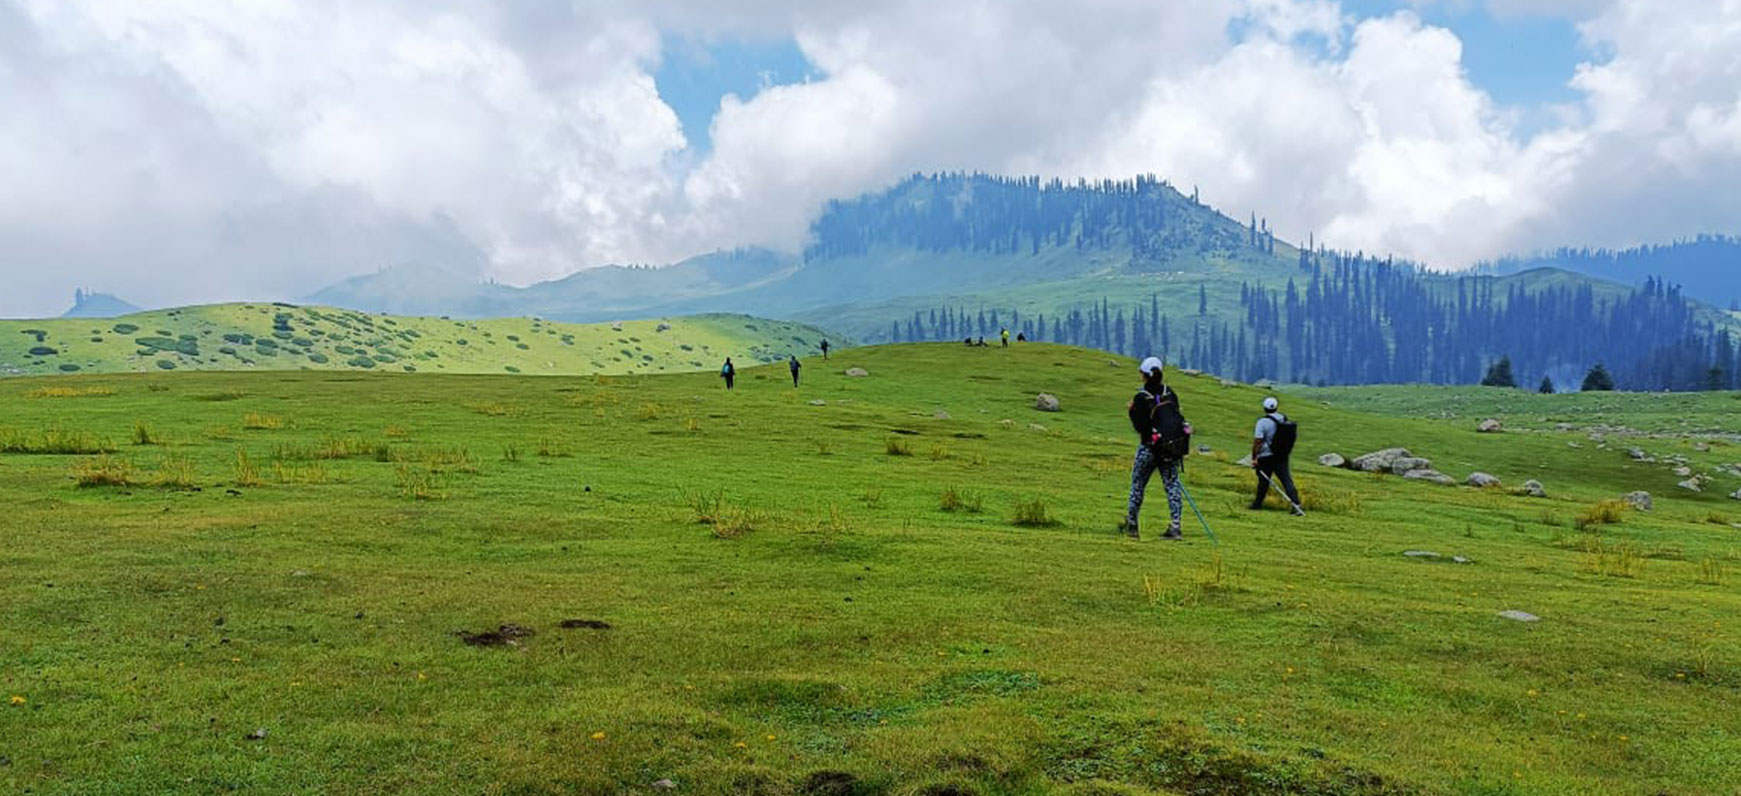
(1421, 554)
(1637, 454)
(1332, 460)
(1736, 495)
(584, 624)
(941, 414)
(857, 373)
(1433, 476)
(1639, 500)
(1046, 402)
(1229, 383)
(1037, 427)
(259, 734)
(1701, 447)
(1684, 472)
(1379, 461)
(818, 402)
(1691, 485)
(616, 326)
(1534, 488)
(1461, 560)
(662, 327)
(1408, 464)
(1205, 449)
(1519, 616)
(1482, 480)
(1490, 426)
(664, 784)
(1190, 372)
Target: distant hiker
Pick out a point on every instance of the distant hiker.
(824, 349)
(1164, 440)
(794, 366)
(1272, 442)
(1021, 337)
(981, 342)
(1006, 338)
(729, 373)
(967, 341)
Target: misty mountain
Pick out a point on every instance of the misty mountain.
(1708, 267)
(89, 304)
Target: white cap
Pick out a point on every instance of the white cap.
(1151, 366)
(1270, 404)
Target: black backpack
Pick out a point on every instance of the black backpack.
(1169, 423)
(1287, 431)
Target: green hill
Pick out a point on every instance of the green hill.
(905, 582)
(285, 337)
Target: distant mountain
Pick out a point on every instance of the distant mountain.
(593, 294)
(1708, 268)
(87, 304)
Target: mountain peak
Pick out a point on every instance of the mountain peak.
(91, 304)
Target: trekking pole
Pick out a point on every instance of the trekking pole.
(1194, 509)
(1278, 490)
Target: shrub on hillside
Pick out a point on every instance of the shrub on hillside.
(69, 368)
(360, 362)
(318, 358)
(165, 364)
(43, 351)
(125, 328)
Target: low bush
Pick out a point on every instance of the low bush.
(103, 471)
(896, 446)
(144, 435)
(69, 392)
(43, 351)
(258, 422)
(165, 364)
(247, 474)
(125, 328)
(54, 442)
(961, 500)
(1605, 513)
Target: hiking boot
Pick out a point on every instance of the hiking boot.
(1173, 532)
(1299, 512)
(1129, 528)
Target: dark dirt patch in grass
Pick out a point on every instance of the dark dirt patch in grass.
(584, 624)
(507, 635)
(832, 783)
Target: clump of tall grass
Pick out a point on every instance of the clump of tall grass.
(1624, 560)
(226, 395)
(175, 472)
(456, 459)
(961, 500)
(1712, 572)
(255, 421)
(343, 448)
(1034, 513)
(552, 448)
(940, 452)
(69, 392)
(510, 452)
(247, 473)
(1605, 513)
(144, 435)
(314, 473)
(1330, 501)
(420, 483)
(491, 408)
(396, 432)
(737, 522)
(707, 506)
(895, 446)
(54, 441)
(103, 470)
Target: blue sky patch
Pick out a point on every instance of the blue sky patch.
(695, 75)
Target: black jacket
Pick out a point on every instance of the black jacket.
(1142, 411)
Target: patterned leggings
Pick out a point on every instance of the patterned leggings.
(1146, 464)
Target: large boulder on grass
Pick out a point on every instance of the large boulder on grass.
(1482, 480)
(1046, 402)
(1403, 465)
(857, 373)
(1533, 488)
(1430, 476)
(1490, 426)
(1379, 461)
(1639, 500)
(1332, 460)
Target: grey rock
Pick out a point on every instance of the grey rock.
(1639, 500)
(1408, 464)
(259, 734)
(1421, 554)
(1490, 426)
(1046, 402)
(1332, 460)
(1573, 444)
(1736, 495)
(1037, 427)
(1461, 560)
(1701, 447)
(300, 573)
(1229, 383)
(1431, 476)
(1482, 480)
(1379, 461)
(818, 402)
(616, 326)
(1637, 454)
(1519, 616)
(1684, 472)
(1205, 449)
(1534, 488)
(662, 327)
(664, 784)
(941, 415)
(1691, 485)
(857, 373)
(1190, 372)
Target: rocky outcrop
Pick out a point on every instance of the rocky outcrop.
(1379, 461)
(1490, 426)
(1639, 500)
(1533, 488)
(1482, 480)
(1432, 476)
(1046, 402)
(1332, 460)
(857, 373)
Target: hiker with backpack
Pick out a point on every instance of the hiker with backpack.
(795, 366)
(1165, 440)
(1271, 445)
(729, 373)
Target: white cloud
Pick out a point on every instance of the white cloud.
(186, 150)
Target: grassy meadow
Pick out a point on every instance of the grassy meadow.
(265, 336)
(363, 583)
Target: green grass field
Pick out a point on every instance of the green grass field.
(283, 337)
(263, 586)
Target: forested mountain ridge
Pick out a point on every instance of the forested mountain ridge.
(1708, 267)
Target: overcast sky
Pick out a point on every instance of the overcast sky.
(180, 151)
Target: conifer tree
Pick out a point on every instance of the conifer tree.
(1499, 375)
(1598, 380)
(1547, 386)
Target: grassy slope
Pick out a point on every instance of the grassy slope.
(857, 627)
(390, 342)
